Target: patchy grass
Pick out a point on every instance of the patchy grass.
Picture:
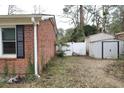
(51, 77)
(116, 69)
(78, 72)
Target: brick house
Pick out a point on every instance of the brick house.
(26, 36)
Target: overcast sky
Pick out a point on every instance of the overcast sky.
(46, 6)
(52, 7)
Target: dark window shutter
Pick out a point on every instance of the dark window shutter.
(20, 41)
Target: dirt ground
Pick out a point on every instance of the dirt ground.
(78, 72)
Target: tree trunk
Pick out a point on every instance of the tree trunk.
(81, 17)
(122, 21)
(104, 19)
(82, 21)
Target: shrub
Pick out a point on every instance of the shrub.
(30, 71)
(6, 70)
(30, 68)
(30, 77)
(60, 53)
(13, 70)
(42, 60)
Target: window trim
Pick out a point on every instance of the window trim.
(2, 55)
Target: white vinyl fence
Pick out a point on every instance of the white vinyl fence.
(72, 48)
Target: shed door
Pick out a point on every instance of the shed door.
(110, 50)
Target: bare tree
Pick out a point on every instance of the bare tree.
(93, 16)
(121, 9)
(13, 9)
(37, 9)
(72, 12)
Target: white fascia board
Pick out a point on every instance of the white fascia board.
(19, 21)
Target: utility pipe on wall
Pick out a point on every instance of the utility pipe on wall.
(35, 48)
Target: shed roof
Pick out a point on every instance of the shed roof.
(99, 36)
(110, 40)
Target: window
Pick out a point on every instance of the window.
(8, 41)
(12, 41)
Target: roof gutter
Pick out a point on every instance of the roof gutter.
(35, 48)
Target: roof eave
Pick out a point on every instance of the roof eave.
(18, 20)
(21, 16)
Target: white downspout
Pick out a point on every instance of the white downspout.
(35, 48)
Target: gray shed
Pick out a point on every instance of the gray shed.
(103, 45)
(109, 49)
(97, 37)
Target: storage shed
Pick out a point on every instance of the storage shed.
(97, 37)
(103, 45)
(108, 49)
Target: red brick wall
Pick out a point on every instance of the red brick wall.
(46, 48)
(46, 42)
(20, 65)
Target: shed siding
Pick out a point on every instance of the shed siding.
(97, 37)
(95, 49)
(110, 50)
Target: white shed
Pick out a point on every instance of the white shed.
(97, 37)
(103, 45)
(108, 49)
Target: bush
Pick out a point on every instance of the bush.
(6, 70)
(30, 77)
(30, 68)
(90, 30)
(30, 71)
(13, 70)
(60, 53)
(77, 35)
(42, 60)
